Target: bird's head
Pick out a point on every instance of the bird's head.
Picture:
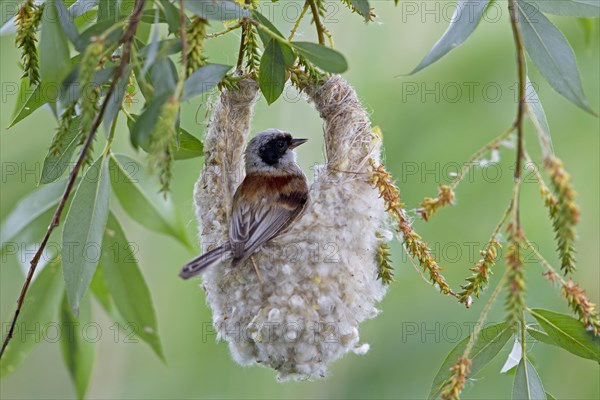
(271, 149)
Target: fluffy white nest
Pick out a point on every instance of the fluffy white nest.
(319, 281)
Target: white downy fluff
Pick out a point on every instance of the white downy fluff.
(320, 279)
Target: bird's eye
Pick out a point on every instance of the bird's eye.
(280, 144)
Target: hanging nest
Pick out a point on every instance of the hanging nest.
(319, 280)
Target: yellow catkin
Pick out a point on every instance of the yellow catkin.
(162, 141)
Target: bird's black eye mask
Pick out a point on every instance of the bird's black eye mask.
(274, 149)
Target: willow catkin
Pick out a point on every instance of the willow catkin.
(319, 281)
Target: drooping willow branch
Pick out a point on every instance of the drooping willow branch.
(462, 367)
(300, 17)
(522, 74)
(513, 277)
(126, 40)
(314, 8)
(184, 41)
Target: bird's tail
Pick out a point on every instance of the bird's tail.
(213, 257)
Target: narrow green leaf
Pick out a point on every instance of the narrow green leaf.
(203, 79)
(30, 99)
(189, 146)
(463, 23)
(272, 72)
(83, 231)
(164, 76)
(39, 310)
(540, 336)
(29, 209)
(144, 125)
(171, 15)
(570, 8)
(552, 54)
(289, 57)
(489, 343)
(264, 36)
(72, 88)
(527, 384)
(127, 286)
(142, 81)
(323, 57)
(568, 333)
(107, 10)
(23, 95)
(9, 27)
(99, 288)
(363, 8)
(152, 48)
(86, 37)
(538, 118)
(78, 353)
(67, 22)
(113, 105)
(55, 61)
(29, 238)
(101, 291)
(220, 10)
(80, 7)
(125, 178)
(56, 164)
(166, 47)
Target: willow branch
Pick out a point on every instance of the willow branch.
(478, 154)
(245, 33)
(183, 35)
(297, 24)
(317, 17)
(483, 316)
(126, 39)
(224, 32)
(240, 60)
(184, 52)
(522, 74)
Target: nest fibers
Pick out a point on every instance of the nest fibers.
(319, 280)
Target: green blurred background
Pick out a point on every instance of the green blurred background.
(427, 134)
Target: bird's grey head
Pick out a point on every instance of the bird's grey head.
(272, 150)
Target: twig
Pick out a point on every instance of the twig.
(484, 267)
(240, 60)
(460, 370)
(478, 154)
(245, 27)
(544, 262)
(522, 73)
(126, 39)
(297, 24)
(184, 52)
(317, 17)
(183, 34)
(229, 29)
(483, 316)
(536, 172)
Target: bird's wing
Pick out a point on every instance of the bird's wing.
(265, 211)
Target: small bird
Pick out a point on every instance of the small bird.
(271, 197)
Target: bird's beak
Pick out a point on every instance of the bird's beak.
(297, 142)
